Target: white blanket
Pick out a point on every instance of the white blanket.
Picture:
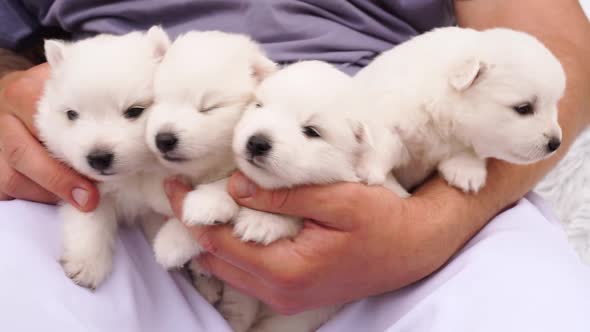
(567, 188)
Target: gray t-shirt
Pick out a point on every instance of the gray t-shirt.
(348, 33)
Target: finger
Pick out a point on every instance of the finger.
(239, 279)
(325, 204)
(15, 185)
(24, 153)
(262, 261)
(23, 94)
(4, 197)
(176, 191)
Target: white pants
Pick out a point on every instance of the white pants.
(518, 274)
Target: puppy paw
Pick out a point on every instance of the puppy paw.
(207, 285)
(370, 175)
(265, 228)
(210, 288)
(238, 309)
(467, 175)
(87, 271)
(394, 186)
(174, 245)
(208, 207)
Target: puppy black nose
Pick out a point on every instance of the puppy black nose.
(100, 160)
(258, 145)
(166, 142)
(553, 144)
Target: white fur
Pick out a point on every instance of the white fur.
(202, 87)
(299, 96)
(100, 79)
(253, 225)
(447, 98)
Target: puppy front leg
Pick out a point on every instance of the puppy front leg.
(385, 153)
(174, 244)
(238, 309)
(465, 171)
(210, 288)
(393, 185)
(89, 240)
(264, 227)
(307, 321)
(209, 204)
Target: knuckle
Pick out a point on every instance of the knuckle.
(14, 152)
(279, 198)
(55, 182)
(206, 240)
(10, 181)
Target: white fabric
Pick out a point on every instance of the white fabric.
(567, 188)
(518, 274)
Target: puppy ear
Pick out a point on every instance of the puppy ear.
(262, 67)
(362, 134)
(54, 52)
(464, 74)
(160, 41)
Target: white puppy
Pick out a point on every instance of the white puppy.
(289, 136)
(202, 87)
(92, 116)
(451, 98)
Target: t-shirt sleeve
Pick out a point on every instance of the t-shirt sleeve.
(16, 25)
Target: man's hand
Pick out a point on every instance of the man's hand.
(26, 169)
(357, 241)
(365, 240)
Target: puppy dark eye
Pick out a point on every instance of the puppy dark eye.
(311, 132)
(524, 109)
(258, 104)
(134, 112)
(72, 115)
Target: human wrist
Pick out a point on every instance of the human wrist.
(432, 225)
(450, 217)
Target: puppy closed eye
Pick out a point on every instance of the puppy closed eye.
(524, 109)
(311, 132)
(72, 115)
(208, 109)
(134, 112)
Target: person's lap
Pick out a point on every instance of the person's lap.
(36, 295)
(517, 274)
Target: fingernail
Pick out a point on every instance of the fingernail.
(243, 187)
(80, 196)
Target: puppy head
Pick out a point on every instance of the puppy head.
(294, 133)
(505, 96)
(202, 87)
(93, 111)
